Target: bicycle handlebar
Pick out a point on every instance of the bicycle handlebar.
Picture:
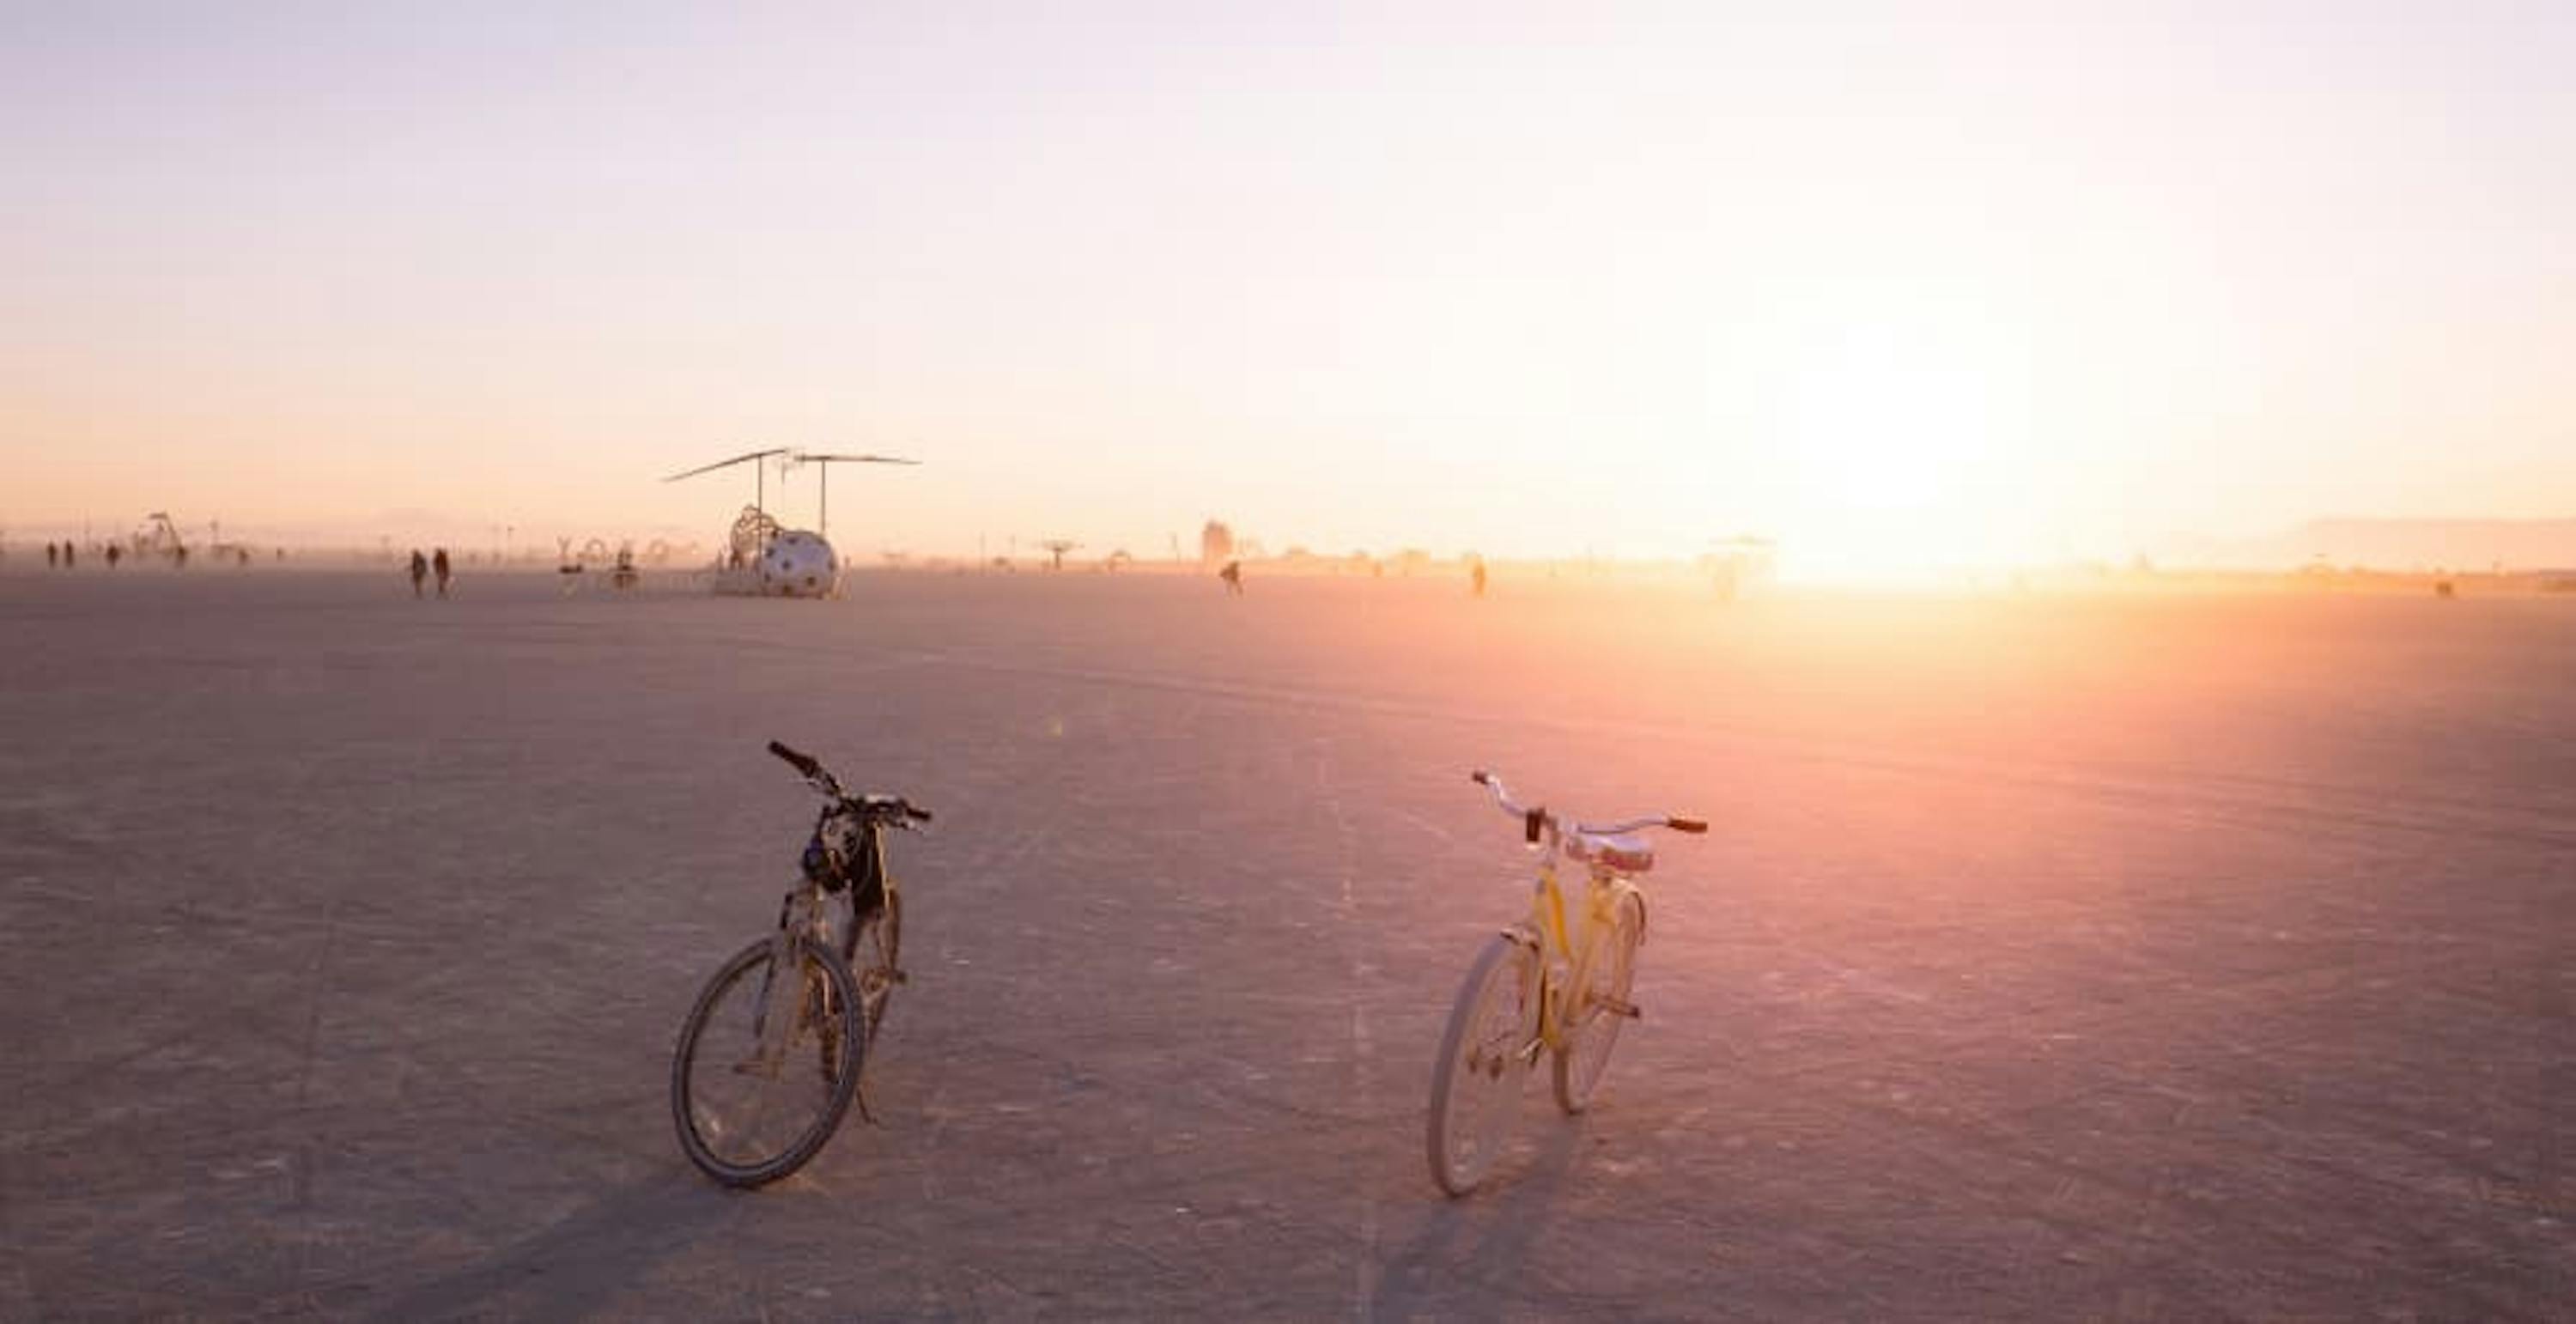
(1535, 818)
(803, 763)
(813, 771)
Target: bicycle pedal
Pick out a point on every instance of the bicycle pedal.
(1628, 1009)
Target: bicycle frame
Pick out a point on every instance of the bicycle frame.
(1566, 952)
(874, 866)
(806, 910)
(1565, 955)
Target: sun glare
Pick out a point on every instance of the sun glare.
(1905, 445)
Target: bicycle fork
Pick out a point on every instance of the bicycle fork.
(1534, 1019)
(769, 1030)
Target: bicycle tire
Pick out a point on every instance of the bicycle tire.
(886, 926)
(839, 1037)
(1592, 1028)
(1476, 1083)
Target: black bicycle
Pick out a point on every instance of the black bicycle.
(769, 1059)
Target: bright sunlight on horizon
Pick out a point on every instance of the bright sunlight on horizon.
(1907, 293)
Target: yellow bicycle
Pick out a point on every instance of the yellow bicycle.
(1554, 983)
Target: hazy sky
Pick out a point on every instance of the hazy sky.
(1875, 279)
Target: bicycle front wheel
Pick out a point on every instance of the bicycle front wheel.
(1476, 1085)
(767, 1062)
(1601, 1008)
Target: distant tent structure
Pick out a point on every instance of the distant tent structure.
(1734, 564)
(1216, 543)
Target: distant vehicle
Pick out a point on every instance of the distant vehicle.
(158, 538)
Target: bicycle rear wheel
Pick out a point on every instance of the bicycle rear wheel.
(874, 960)
(1599, 1010)
(1476, 1085)
(767, 1063)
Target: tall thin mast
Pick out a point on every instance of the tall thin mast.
(827, 461)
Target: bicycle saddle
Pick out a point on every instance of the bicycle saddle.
(1623, 853)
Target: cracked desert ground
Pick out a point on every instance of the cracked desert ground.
(2051, 957)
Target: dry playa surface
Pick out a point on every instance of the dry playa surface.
(2186, 958)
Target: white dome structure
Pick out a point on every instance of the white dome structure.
(799, 565)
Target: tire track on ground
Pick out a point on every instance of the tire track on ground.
(1363, 1046)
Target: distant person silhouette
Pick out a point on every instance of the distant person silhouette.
(419, 570)
(114, 555)
(439, 563)
(53, 556)
(68, 558)
(1476, 572)
(1233, 577)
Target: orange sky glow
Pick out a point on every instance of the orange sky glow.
(1904, 291)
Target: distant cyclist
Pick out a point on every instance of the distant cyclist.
(1233, 577)
(445, 572)
(419, 570)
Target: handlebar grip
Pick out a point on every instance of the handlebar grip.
(1694, 826)
(917, 813)
(803, 763)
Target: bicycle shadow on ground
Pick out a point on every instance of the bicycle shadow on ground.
(1485, 1237)
(578, 1265)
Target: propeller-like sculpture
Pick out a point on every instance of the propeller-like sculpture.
(759, 487)
(824, 513)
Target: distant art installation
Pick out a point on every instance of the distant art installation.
(761, 557)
